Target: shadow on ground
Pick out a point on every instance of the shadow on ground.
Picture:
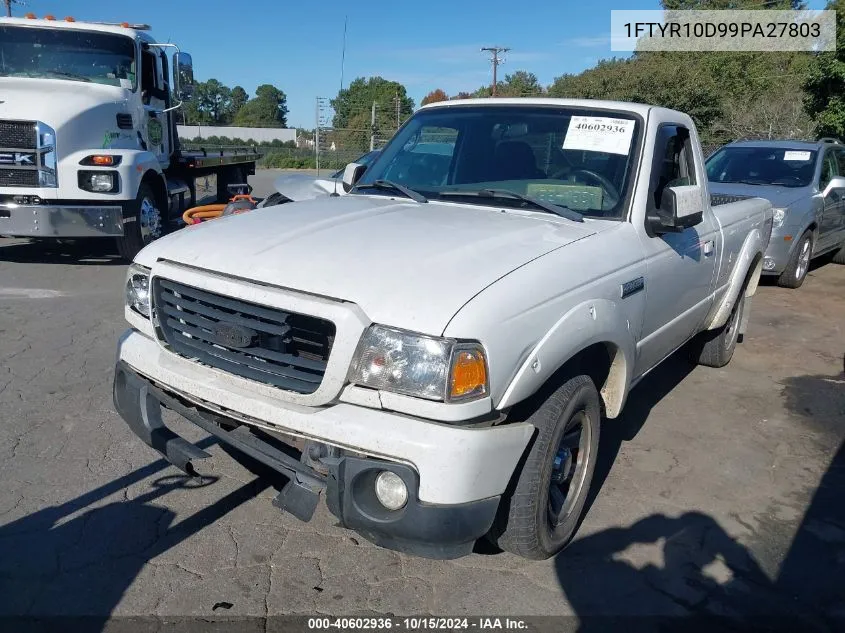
(73, 252)
(687, 573)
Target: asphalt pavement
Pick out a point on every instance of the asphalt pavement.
(719, 491)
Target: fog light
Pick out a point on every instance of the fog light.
(391, 491)
(768, 263)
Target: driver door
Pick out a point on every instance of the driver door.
(680, 267)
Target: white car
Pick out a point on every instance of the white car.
(294, 187)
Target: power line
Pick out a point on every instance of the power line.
(495, 60)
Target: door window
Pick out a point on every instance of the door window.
(829, 168)
(674, 164)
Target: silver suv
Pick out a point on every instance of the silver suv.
(805, 182)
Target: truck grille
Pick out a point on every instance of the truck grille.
(17, 135)
(268, 345)
(18, 178)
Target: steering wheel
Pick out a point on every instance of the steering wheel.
(608, 186)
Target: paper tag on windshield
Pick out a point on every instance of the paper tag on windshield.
(792, 155)
(599, 134)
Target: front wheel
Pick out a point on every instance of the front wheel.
(799, 264)
(539, 515)
(142, 223)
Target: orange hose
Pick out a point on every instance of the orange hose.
(204, 212)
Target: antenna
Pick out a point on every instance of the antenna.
(342, 63)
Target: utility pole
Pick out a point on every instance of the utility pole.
(496, 60)
(373, 128)
(398, 103)
(8, 8)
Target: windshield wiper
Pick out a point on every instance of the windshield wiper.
(62, 73)
(557, 209)
(416, 196)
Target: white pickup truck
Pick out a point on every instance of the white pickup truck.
(436, 351)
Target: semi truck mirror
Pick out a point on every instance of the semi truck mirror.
(183, 65)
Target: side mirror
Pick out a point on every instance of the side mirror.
(352, 174)
(837, 182)
(680, 208)
(183, 71)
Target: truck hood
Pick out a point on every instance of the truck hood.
(304, 186)
(405, 264)
(780, 197)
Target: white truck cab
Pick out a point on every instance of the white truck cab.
(88, 142)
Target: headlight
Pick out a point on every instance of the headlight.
(138, 289)
(777, 216)
(98, 181)
(417, 365)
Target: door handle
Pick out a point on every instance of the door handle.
(708, 248)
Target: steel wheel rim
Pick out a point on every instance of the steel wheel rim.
(150, 221)
(803, 259)
(569, 469)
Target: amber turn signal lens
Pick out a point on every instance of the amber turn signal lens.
(103, 160)
(469, 374)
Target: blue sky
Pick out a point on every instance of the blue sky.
(424, 45)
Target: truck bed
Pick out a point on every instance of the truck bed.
(210, 157)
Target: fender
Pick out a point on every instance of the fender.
(591, 322)
(138, 163)
(750, 254)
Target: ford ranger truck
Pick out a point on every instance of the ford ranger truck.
(88, 142)
(435, 352)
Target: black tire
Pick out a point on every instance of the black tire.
(524, 525)
(143, 222)
(715, 348)
(796, 270)
(839, 256)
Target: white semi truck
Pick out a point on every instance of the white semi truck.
(88, 142)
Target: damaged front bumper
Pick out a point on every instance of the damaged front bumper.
(346, 479)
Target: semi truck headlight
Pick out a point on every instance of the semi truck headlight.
(98, 181)
(138, 289)
(778, 216)
(417, 365)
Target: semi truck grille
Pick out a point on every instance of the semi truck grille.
(18, 178)
(17, 135)
(268, 345)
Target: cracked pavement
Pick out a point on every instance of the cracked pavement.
(719, 491)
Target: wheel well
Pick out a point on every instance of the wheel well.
(752, 279)
(814, 228)
(156, 182)
(604, 363)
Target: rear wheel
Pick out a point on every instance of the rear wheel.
(539, 515)
(796, 270)
(142, 223)
(715, 348)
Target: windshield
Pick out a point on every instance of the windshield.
(577, 158)
(86, 56)
(762, 166)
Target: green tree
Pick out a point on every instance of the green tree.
(214, 99)
(825, 84)
(434, 96)
(359, 97)
(239, 98)
(267, 109)
(520, 84)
